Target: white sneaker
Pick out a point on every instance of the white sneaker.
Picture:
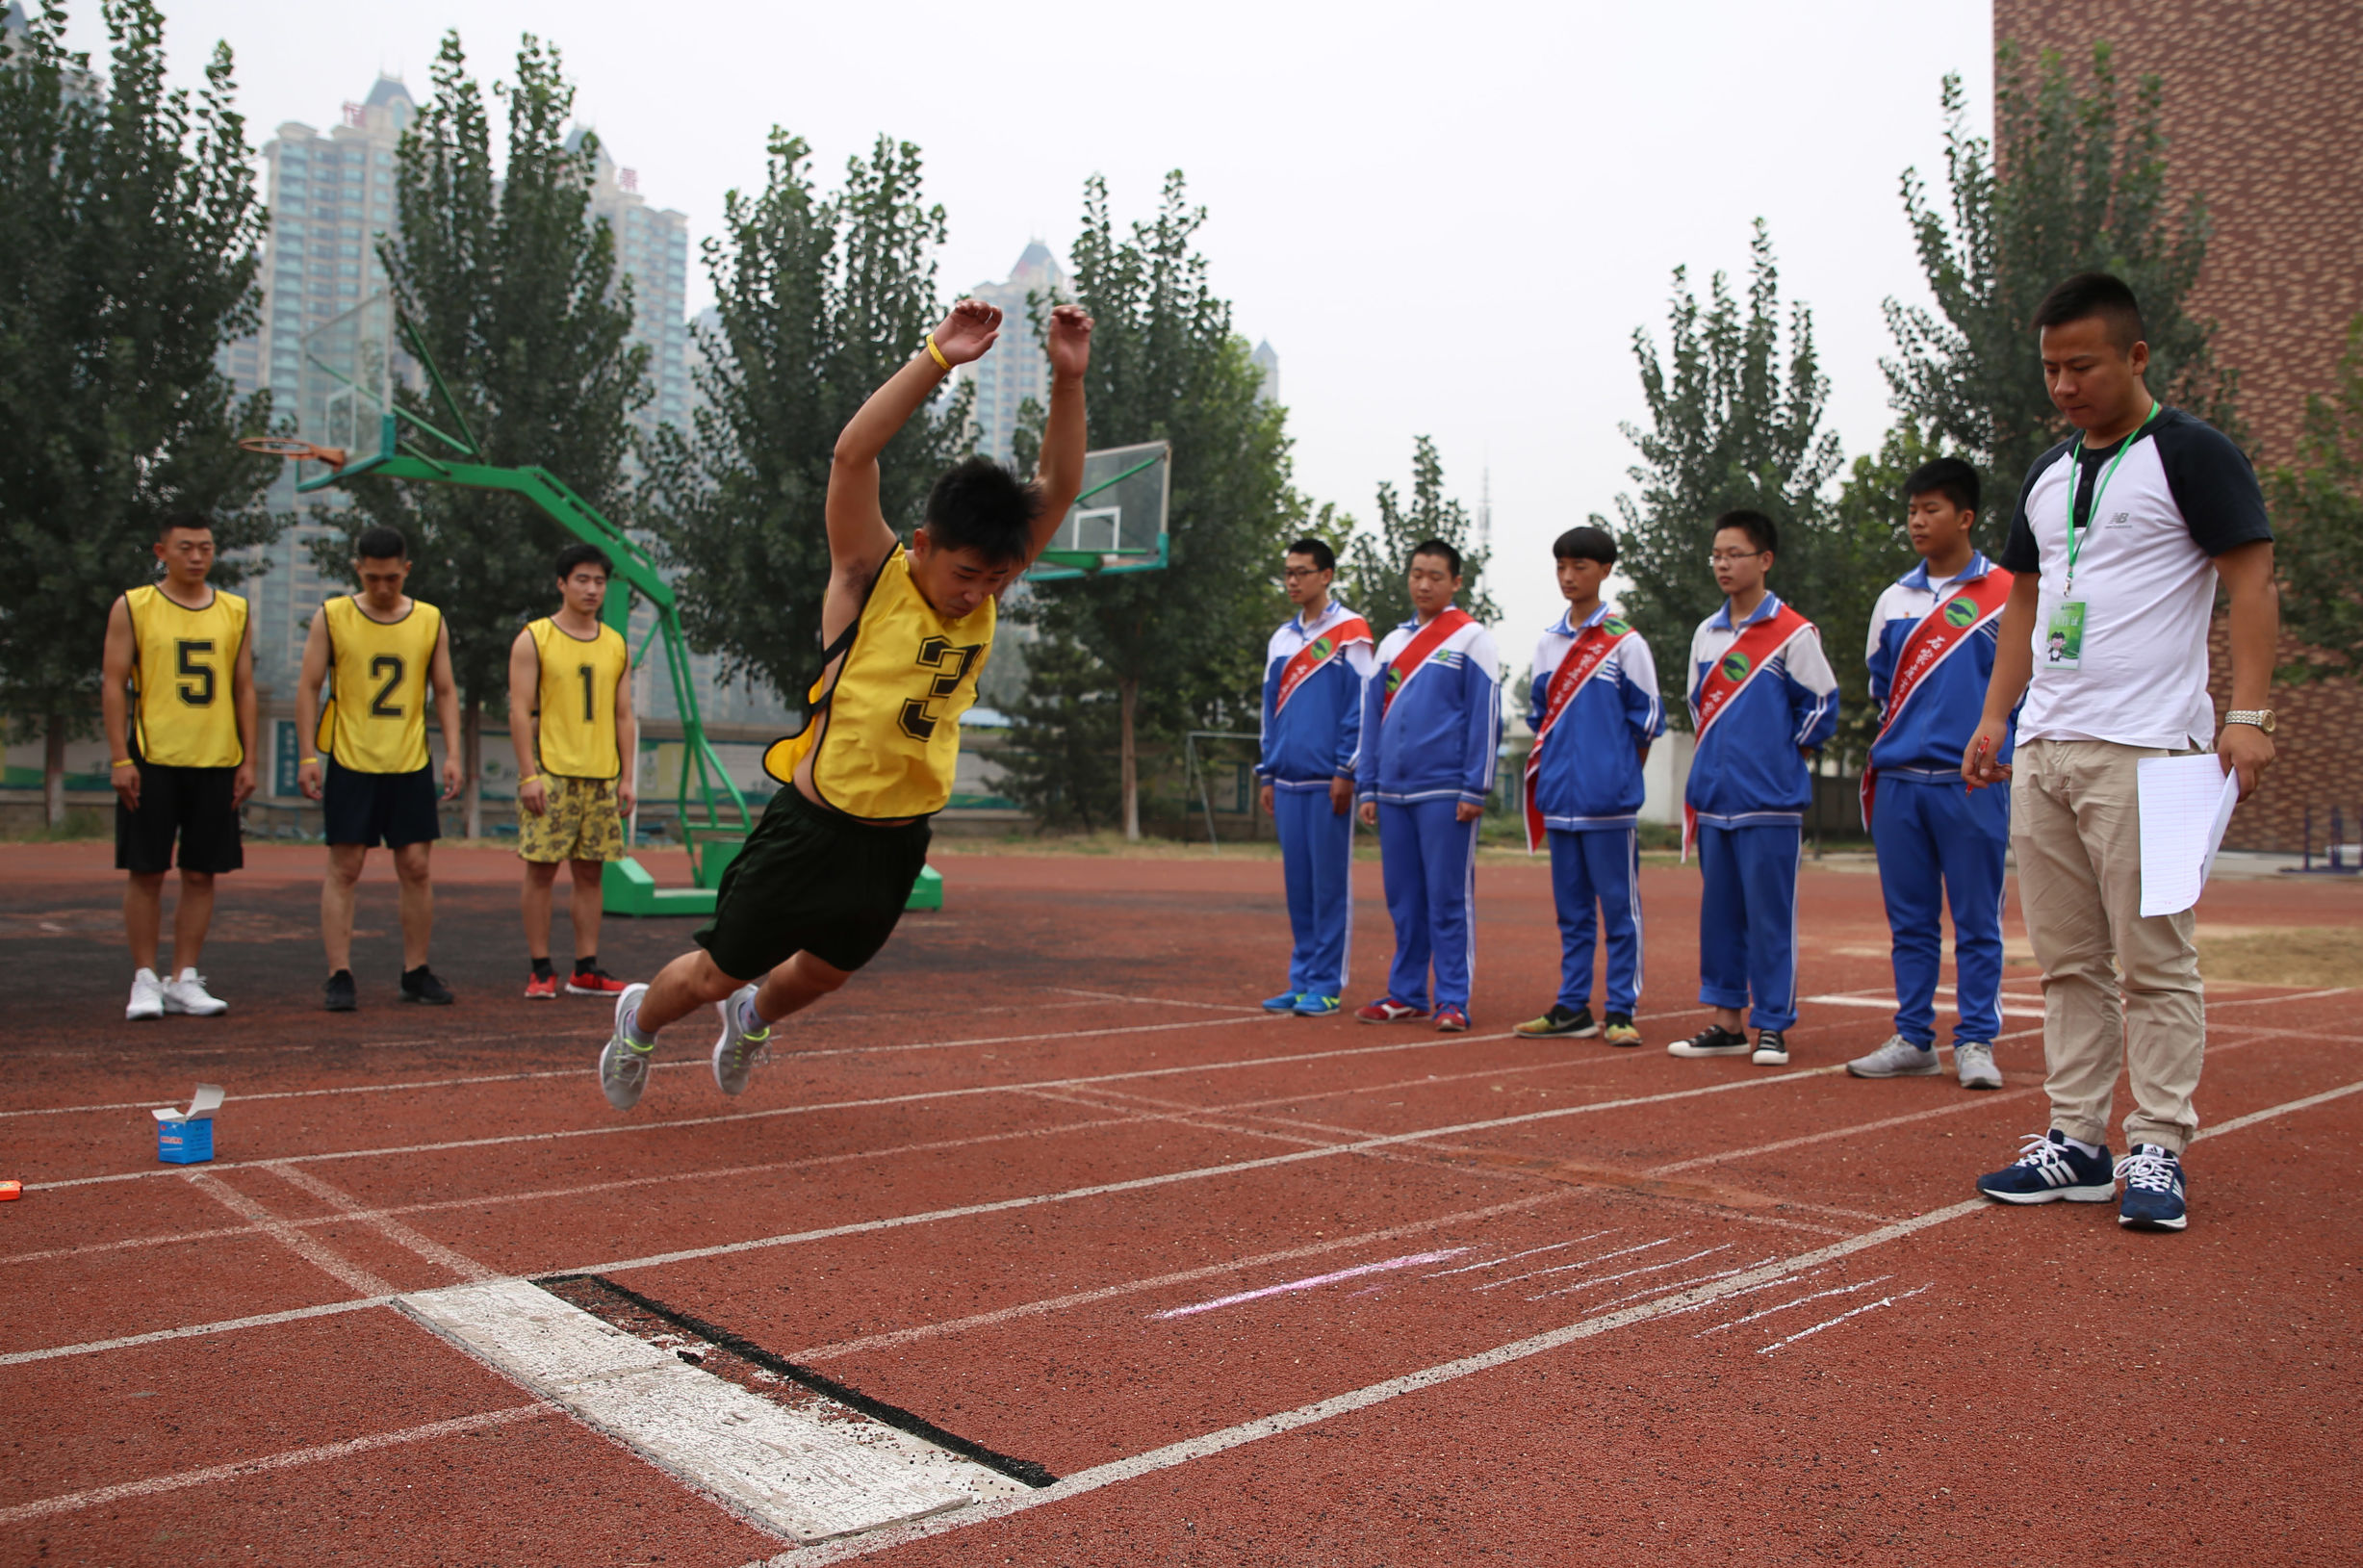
(1897, 1058)
(1973, 1060)
(146, 996)
(188, 994)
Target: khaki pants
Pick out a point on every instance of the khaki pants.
(2075, 829)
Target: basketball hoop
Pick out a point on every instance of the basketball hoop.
(303, 451)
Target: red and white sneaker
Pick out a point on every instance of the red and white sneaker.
(1387, 1009)
(593, 983)
(1452, 1021)
(542, 987)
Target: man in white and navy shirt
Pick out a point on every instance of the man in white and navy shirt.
(1313, 671)
(2122, 536)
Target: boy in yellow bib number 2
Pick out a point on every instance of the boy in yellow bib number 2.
(825, 875)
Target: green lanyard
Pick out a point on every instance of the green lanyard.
(2075, 472)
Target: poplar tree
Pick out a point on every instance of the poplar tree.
(129, 248)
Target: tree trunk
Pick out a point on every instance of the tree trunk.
(1128, 778)
(53, 774)
(471, 765)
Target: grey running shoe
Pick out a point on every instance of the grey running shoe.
(623, 1067)
(1973, 1060)
(1898, 1058)
(740, 1051)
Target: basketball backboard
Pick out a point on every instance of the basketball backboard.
(1117, 523)
(345, 389)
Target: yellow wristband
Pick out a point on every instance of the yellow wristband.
(530, 777)
(122, 762)
(936, 354)
(307, 761)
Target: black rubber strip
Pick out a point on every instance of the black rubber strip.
(895, 1416)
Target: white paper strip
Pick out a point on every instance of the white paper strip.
(2186, 803)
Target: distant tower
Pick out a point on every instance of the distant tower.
(1019, 369)
(1484, 518)
(1267, 362)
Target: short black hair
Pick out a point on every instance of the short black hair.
(2088, 294)
(582, 554)
(384, 544)
(979, 505)
(1318, 549)
(184, 517)
(1585, 544)
(1948, 477)
(1439, 548)
(1755, 525)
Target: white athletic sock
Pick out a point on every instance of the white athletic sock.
(189, 971)
(148, 975)
(2090, 1151)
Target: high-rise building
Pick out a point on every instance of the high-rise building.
(1016, 370)
(652, 249)
(1267, 362)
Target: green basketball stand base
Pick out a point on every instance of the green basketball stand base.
(626, 887)
(925, 894)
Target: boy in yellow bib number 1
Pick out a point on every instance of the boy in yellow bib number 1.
(825, 875)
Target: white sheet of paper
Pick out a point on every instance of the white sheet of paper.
(2186, 804)
(207, 1100)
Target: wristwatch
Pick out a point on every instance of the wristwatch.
(2260, 717)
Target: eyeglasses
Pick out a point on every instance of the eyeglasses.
(1717, 557)
(1292, 573)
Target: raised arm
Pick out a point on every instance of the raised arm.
(1059, 471)
(859, 538)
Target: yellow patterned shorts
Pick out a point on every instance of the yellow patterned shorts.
(582, 823)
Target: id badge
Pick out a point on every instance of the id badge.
(2064, 637)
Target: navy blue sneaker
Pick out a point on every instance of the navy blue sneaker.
(2153, 1190)
(2049, 1167)
(1285, 1002)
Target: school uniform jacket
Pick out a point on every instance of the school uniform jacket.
(1934, 728)
(1746, 772)
(1438, 739)
(1319, 735)
(1590, 775)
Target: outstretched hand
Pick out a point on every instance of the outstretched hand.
(1069, 341)
(968, 331)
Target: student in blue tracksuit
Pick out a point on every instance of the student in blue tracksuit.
(1314, 671)
(1593, 710)
(1938, 842)
(1763, 699)
(1431, 724)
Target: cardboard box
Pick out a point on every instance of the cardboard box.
(185, 1142)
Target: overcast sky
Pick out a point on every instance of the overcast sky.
(1448, 220)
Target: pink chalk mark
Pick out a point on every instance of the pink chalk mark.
(1357, 1272)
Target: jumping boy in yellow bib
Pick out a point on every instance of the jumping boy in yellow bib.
(825, 875)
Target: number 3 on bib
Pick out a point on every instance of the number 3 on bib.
(954, 661)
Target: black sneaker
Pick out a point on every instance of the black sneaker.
(339, 994)
(419, 985)
(1713, 1040)
(1560, 1021)
(1771, 1048)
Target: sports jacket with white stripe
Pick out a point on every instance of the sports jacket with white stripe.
(1590, 776)
(1747, 770)
(1439, 738)
(1318, 737)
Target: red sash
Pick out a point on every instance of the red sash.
(1951, 622)
(1578, 664)
(1742, 662)
(1318, 652)
(1430, 637)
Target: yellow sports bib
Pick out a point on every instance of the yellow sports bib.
(183, 660)
(376, 721)
(580, 681)
(892, 737)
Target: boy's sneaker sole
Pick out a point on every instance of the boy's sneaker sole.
(2055, 1195)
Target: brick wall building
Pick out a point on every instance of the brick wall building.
(2262, 115)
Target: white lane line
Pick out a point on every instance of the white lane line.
(216, 1474)
(1496, 1263)
(1887, 1004)
(1811, 1296)
(795, 1474)
(1083, 1481)
(392, 1229)
(2263, 1001)
(221, 1326)
(1153, 1001)
(1311, 1282)
(1860, 1127)
(1629, 1274)
(1666, 1286)
(1867, 1306)
(1188, 1276)
(2268, 1114)
(1562, 1268)
(310, 1248)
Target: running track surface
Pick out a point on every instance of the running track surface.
(1012, 1178)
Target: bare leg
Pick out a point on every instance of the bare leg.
(797, 984)
(535, 904)
(143, 916)
(410, 864)
(589, 890)
(1732, 1020)
(338, 891)
(688, 983)
(192, 918)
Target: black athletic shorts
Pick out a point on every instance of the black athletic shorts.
(810, 880)
(196, 805)
(372, 809)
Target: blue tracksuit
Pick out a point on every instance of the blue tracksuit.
(1588, 789)
(1433, 747)
(1749, 787)
(1937, 843)
(1317, 737)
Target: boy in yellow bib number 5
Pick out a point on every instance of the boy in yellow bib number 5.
(825, 875)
